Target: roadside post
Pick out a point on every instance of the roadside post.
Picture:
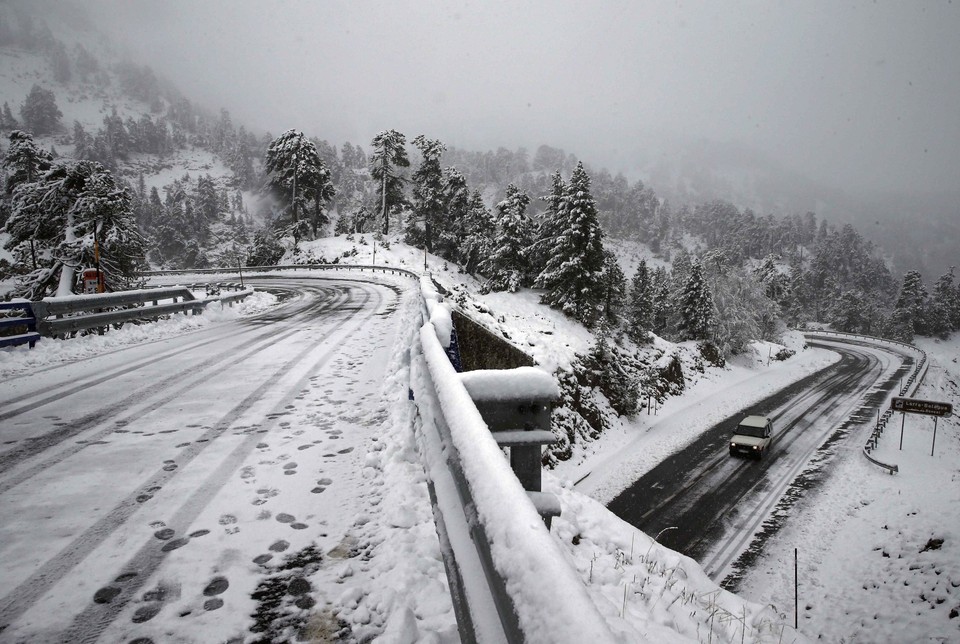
(917, 406)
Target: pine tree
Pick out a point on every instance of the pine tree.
(59, 212)
(614, 290)
(456, 209)
(40, 112)
(945, 293)
(7, 121)
(428, 194)
(24, 161)
(640, 308)
(661, 311)
(388, 155)
(478, 231)
(297, 176)
(912, 302)
(696, 307)
(506, 266)
(573, 275)
(547, 226)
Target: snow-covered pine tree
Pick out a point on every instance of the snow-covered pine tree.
(455, 208)
(428, 195)
(614, 290)
(59, 212)
(662, 300)
(912, 302)
(387, 156)
(697, 316)
(639, 316)
(546, 226)
(39, 111)
(24, 161)
(573, 275)
(945, 294)
(505, 265)
(478, 231)
(293, 160)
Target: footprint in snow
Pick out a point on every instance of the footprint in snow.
(146, 613)
(213, 604)
(216, 586)
(174, 544)
(227, 519)
(262, 559)
(105, 595)
(247, 472)
(303, 447)
(345, 451)
(279, 546)
(164, 534)
(283, 517)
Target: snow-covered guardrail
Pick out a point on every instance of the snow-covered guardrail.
(67, 314)
(285, 267)
(908, 387)
(509, 580)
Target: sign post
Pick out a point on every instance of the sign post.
(917, 406)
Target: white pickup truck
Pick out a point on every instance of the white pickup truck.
(753, 437)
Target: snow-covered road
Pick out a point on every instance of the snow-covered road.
(147, 491)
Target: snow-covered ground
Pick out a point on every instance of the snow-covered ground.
(643, 590)
(879, 555)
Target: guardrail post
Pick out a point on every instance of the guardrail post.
(517, 411)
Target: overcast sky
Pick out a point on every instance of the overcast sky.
(858, 94)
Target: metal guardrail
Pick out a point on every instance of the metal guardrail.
(546, 607)
(80, 312)
(914, 380)
(284, 267)
(28, 320)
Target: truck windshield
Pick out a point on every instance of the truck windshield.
(747, 430)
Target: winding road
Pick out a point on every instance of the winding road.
(712, 506)
(170, 478)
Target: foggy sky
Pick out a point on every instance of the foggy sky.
(854, 94)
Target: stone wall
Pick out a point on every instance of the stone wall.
(483, 349)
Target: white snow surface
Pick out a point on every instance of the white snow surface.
(642, 591)
(870, 566)
(510, 384)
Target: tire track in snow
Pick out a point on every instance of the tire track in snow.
(76, 385)
(31, 447)
(19, 599)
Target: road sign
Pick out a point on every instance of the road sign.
(917, 406)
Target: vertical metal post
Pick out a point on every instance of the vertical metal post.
(374, 252)
(240, 270)
(96, 259)
(903, 419)
(935, 419)
(796, 592)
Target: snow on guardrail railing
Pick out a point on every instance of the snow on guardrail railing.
(913, 381)
(537, 596)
